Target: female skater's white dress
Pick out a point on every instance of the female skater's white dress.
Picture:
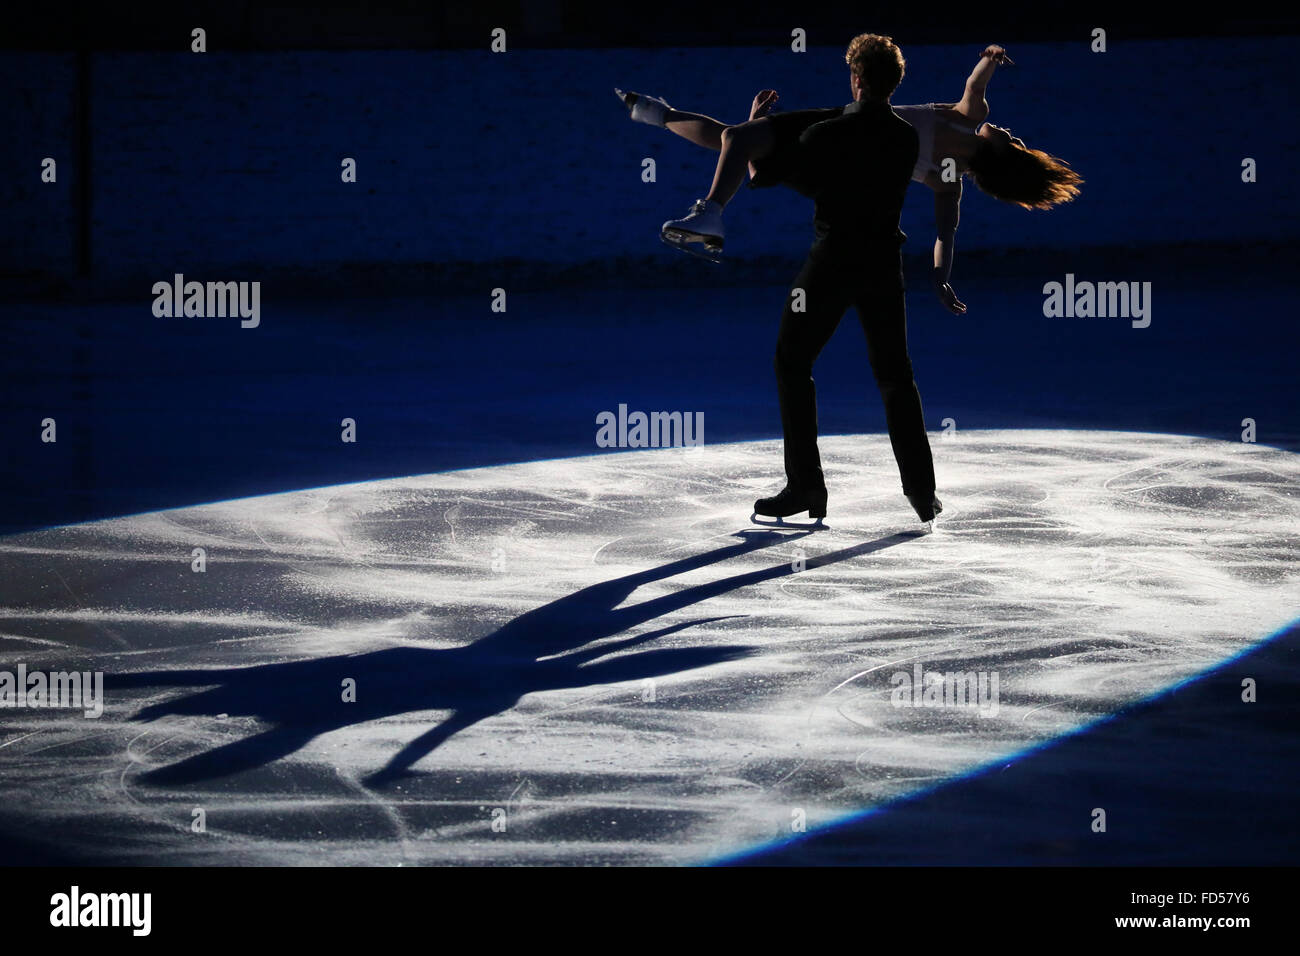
(924, 119)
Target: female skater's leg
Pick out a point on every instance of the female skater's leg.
(654, 111)
(694, 127)
(741, 145)
(699, 129)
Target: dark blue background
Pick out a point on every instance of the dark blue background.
(520, 171)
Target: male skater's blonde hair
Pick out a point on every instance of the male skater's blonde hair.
(878, 63)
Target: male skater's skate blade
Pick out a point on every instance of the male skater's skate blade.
(791, 502)
(927, 507)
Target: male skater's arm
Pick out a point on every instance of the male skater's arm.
(764, 102)
(947, 213)
(786, 162)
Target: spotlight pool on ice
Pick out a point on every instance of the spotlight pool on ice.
(600, 659)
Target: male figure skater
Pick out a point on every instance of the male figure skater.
(855, 162)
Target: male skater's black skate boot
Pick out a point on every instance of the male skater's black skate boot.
(927, 508)
(791, 501)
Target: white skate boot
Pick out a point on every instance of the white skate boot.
(703, 225)
(644, 109)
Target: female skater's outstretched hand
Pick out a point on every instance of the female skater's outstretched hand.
(998, 54)
(763, 103)
(950, 300)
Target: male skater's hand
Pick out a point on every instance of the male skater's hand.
(949, 299)
(763, 103)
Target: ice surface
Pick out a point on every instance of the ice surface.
(604, 653)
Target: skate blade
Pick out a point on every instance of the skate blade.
(815, 524)
(709, 241)
(684, 245)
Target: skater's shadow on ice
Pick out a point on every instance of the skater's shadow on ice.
(543, 649)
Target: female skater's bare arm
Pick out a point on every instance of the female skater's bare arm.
(947, 213)
(947, 196)
(973, 105)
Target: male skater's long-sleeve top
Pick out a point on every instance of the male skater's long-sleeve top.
(854, 161)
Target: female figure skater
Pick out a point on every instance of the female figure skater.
(952, 135)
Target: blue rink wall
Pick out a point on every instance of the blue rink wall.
(228, 163)
(522, 171)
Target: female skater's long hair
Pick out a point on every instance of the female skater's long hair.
(1029, 178)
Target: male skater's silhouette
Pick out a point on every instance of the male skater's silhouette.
(855, 162)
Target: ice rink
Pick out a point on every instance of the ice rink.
(601, 660)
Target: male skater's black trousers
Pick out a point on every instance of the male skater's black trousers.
(833, 277)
